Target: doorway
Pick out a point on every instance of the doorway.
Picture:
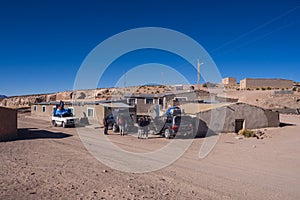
(239, 125)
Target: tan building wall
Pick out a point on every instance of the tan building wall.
(42, 110)
(229, 81)
(253, 117)
(252, 83)
(8, 124)
(80, 111)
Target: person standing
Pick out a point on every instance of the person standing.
(140, 124)
(105, 124)
(121, 125)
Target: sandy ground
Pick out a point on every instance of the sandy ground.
(51, 162)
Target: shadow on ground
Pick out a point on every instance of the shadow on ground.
(282, 124)
(33, 133)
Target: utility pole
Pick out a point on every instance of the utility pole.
(198, 63)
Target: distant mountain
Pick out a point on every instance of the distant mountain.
(2, 96)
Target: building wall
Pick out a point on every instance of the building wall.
(39, 110)
(229, 81)
(254, 117)
(142, 108)
(80, 111)
(8, 124)
(265, 83)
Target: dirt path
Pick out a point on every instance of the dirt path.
(52, 162)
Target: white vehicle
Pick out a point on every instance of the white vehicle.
(65, 119)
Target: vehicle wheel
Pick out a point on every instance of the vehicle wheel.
(63, 124)
(54, 123)
(167, 133)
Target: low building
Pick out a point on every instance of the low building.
(236, 116)
(8, 124)
(229, 81)
(254, 83)
(87, 112)
(144, 102)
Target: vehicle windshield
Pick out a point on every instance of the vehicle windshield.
(68, 114)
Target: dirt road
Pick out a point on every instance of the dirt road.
(51, 162)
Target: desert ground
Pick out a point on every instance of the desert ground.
(48, 162)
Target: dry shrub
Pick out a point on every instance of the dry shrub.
(246, 133)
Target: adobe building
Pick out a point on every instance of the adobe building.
(144, 102)
(229, 81)
(253, 83)
(236, 116)
(87, 112)
(8, 124)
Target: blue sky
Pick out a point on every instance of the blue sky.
(43, 43)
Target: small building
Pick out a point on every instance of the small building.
(253, 83)
(144, 102)
(8, 123)
(236, 116)
(229, 81)
(87, 112)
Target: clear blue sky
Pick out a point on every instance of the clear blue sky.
(43, 43)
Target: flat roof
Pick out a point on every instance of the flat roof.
(105, 103)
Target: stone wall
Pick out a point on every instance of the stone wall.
(229, 81)
(254, 117)
(265, 83)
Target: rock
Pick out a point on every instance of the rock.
(104, 171)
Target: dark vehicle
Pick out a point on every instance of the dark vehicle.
(174, 125)
(174, 122)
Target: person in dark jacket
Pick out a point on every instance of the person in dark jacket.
(105, 124)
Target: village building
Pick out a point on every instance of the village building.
(259, 83)
(143, 102)
(87, 112)
(236, 116)
(229, 81)
(8, 123)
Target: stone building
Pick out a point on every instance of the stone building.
(8, 124)
(87, 112)
(229, 81)
(231, 117)
(253, 83)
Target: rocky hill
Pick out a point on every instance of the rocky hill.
(80, 95)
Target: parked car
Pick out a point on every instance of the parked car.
(63, 118)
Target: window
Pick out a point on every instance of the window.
(44, 108)
(180, 99)
(148, 101)
(90, 112)
(34, 108)
(131, 101)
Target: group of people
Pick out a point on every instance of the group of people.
(121, 121)
(143, 127)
